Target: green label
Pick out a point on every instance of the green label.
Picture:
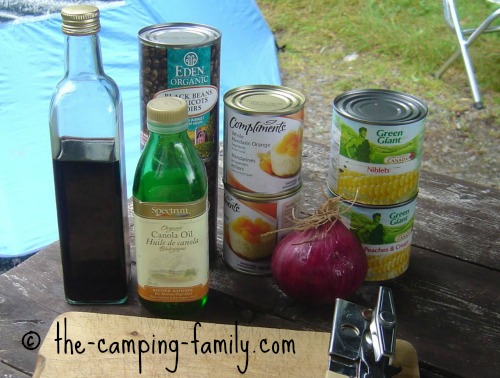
(187, 68)
(189, 76)
(379, 144)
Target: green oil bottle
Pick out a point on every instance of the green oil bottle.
(171, 215)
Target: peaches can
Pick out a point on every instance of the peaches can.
(385, 232)
(263, 137)
(253, 226)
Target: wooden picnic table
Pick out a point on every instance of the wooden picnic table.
(447, 302)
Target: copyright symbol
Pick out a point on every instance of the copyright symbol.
(31, 340)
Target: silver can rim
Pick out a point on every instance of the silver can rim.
(380, 107)
(295, 99)
(213, 35)
(260, 197)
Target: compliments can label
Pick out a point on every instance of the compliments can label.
(263, 128)
(253, 227)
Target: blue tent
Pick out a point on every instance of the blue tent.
(32, 62)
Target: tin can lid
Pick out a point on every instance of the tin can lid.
(179, 35)
(265, 99)
(380, 107)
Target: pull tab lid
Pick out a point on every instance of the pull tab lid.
(80, 20)
(167, 115)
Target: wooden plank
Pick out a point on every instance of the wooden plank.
(458, 219)
(9, 372)
(450, 310)
(221, 350)
(427, 300)
(30, 327)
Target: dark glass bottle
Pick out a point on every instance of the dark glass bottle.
(171, 215)
(86, 130)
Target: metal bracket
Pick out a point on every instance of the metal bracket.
(363, 340)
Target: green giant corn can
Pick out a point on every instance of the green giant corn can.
(376, 146)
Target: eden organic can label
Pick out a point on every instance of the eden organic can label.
(253, 227)
(183, 60)
(385, 233)
(376, 146)
(263, 128)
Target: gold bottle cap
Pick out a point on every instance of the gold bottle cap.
(80, 20)
(167, 113)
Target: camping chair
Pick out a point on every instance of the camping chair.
(465, 38)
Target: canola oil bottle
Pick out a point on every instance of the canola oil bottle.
(171, 215)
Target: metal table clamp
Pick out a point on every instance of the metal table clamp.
(363, 340)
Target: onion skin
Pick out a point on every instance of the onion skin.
(320, 264)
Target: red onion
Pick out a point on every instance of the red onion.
(319, 263)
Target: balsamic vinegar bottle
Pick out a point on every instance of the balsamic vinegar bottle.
(86, 130)
(171, 215)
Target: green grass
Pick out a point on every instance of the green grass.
(399, 44)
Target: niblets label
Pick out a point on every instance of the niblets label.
(375, 164)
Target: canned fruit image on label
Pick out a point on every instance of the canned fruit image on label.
(183, 60)
(385, 233)
(250, 238)
(253, 227)
(284, 159)
(376, 146)
(263, 134)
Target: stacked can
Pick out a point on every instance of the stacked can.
(263, 127)
(183, 60)
(375, 157)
